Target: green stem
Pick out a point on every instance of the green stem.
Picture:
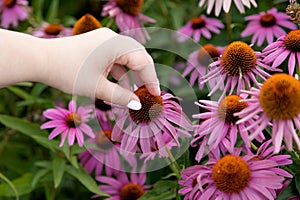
(173, 165)
(228, 25)
(253, 146)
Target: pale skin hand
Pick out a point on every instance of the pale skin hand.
(79, 64)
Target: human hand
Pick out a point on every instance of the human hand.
(80, 65)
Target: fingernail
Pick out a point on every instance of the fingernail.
(134, 105)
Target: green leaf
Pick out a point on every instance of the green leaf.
(288, 192)
(297, 181)
(38, 89)
(30, 129)
(22, 186)
(58, 170)
(163, 190)
(38, 175)
(38, 9)
(82, 176)
(10, 184)
(19, 92)
(52, 11)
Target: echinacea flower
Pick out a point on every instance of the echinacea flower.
(51, 31)
(218, 131)
(237, 67)
(13, 11)
(199, 26)
(266, 25)
(276, 101)
(85, 24)
(198, 62)
(103, 110)
(128, 17)
(159, 115)
(226, 4)
(71, 123)
(232, 177)
(121, 188)
(285, 46)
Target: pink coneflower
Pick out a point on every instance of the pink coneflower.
(266, 25)
(128, 17)
(277, 100)
(226, 4)
(159, 115)
(285, 46)
(198, 62)
(198, 26)
(237, 67)
(232, 177)
(68, 122)
(121, 188)
(52, 31)
(103, 110)
(218, 130)
(12, 11)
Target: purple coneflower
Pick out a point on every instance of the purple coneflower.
(277, 100)
(128, 17)
(12, 11)
(198, 26)
(226, 4)
(68, 122)
(218, 130)
(159, 115)
(266, 25)
(238, 66)
(103, 110)
(52, 31)
(232, 177)
(198, 62)
(121, 188)
(285, 46)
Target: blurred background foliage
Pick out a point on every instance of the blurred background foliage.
(31, 167)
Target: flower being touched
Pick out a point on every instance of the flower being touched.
(52, 31)
(266, 25)
(277, 100)
(238, 67)
(122, 188)
(232, 177)
(71, 123)
(226, 4)
(279, 51)
(198, 62)
(128, 17)
(142, 128)
(199, 26)
(218, 131)
(13, 11)
(85, 24)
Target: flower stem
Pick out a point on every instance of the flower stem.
(228, 25)
(253, 146)
(173, 165)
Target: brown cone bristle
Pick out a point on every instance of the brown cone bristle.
(85, 24)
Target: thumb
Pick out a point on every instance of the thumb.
(114, 93)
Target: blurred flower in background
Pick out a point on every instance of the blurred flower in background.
(200, 26)
(51, 31)
(129, 17)
(12, 11)
(266, 25)
(85, 24)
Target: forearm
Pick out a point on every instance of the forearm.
(21, 57)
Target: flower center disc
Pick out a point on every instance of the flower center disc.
(132, 7)
(103, 139)
(207, 54)
(9, 3)
(85, 24)
(73, 120)
(292, 41)
(267, 20)
(280, 97)
(238, 58)
(230, 105)
(231, 174)
(101, 105)
(53, 29)
(152, 106)
(131, 191)
(198, 22)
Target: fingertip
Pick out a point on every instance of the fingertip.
(154, 88)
